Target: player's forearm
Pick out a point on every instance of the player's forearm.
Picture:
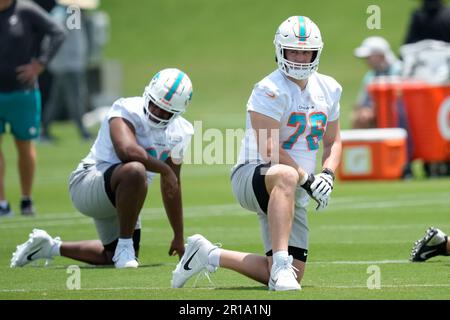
(174, 211)
(137, 153)
(155, 165)
(332, 155)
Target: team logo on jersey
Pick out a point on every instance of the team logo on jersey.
(32, 130)
(270, 94)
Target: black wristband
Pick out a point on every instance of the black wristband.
(307, 184)
(329, 171)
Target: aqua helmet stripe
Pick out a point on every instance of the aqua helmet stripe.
(302, 26)
(174, 87)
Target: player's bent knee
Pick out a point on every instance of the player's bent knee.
(282, 175)
(133, 172)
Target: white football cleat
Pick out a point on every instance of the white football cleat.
(38, 246)
(194, 260)
(125, 257)
(283, 277)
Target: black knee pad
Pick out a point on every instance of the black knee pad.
(111, 247)
(296, 253)
(136, 242)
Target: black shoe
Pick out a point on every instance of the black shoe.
(447, 169)
(432, 244)
(426, 169)
(27, 208)
(6, 211)
(407, 172)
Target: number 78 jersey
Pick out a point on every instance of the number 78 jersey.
(303, 115)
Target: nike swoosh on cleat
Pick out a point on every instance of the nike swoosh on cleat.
(423, 255)
(186, 265)
(30, 256)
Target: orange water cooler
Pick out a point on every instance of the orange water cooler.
(427, 109)
(378, 154)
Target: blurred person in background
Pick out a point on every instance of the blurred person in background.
(431, 22)
(23, 26)
(45, 78)
(69, 68)
(98, 23)
(381, 61)
(384, 66)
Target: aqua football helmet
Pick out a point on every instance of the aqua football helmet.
(298, 33)
(170, 90)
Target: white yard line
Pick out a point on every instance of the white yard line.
(410, 285)
(399, 286)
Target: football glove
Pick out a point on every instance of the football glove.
(322, 202)
(323, 184)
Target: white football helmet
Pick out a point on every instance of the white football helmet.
(298, 33)
(171, 90)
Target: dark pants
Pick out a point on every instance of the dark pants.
(68, 89)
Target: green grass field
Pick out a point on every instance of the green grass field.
(367, 223)
(226, 46)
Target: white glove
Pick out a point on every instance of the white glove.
(322, 185)
(322, 202)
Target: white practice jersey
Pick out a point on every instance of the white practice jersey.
(303, 115)
(171, 141)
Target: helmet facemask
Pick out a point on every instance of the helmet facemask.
(155, 120)
(297, 70)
